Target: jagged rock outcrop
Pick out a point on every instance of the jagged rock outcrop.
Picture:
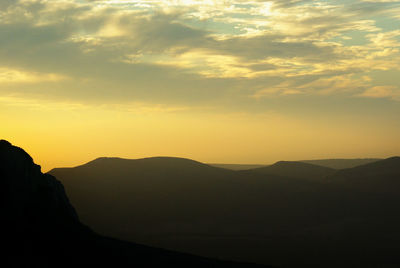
(38, 222)
(25, 188)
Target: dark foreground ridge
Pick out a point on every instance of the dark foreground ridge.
(41, 228)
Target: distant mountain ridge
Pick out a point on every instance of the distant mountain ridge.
(330, 163)
(380, 176)
(293, 169)
(144, 163)
(342, 163)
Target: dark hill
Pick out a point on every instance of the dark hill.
(41, 229)
(329, 163)
(298, 170)
(149, 167)
(145, 163)
(381, 176)
(341, 163)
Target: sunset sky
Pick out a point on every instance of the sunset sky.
(215, 81)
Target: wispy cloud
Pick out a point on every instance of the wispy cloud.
(14, 76)
(382, 92)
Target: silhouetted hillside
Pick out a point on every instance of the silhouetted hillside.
(381, 176)
(341, 163)
(330, 163)
(41, 229)
(293, 169)
(188, 206)
(244, 215)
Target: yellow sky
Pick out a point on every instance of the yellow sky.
(63, 135)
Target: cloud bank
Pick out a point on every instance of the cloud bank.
(197, 52)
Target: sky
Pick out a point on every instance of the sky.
(215, 81)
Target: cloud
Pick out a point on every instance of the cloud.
(190, 51)
(282, 89)
(12, 76)
(51, 106)
(323, 85)
(380, 1)
(392, 92)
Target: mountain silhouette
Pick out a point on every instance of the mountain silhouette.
(294, 169)
(341, 163)
(188, 206)
(329, 163)
(377, 177)
(40, 228)
(244, 215)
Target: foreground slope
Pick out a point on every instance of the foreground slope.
(40, 228)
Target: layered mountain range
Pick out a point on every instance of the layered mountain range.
(290, 214)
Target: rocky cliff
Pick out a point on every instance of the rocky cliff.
(27, 193)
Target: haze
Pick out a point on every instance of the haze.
(217, 81)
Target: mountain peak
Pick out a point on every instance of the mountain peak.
(158, 161)
(13, 156)
(5, 143)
